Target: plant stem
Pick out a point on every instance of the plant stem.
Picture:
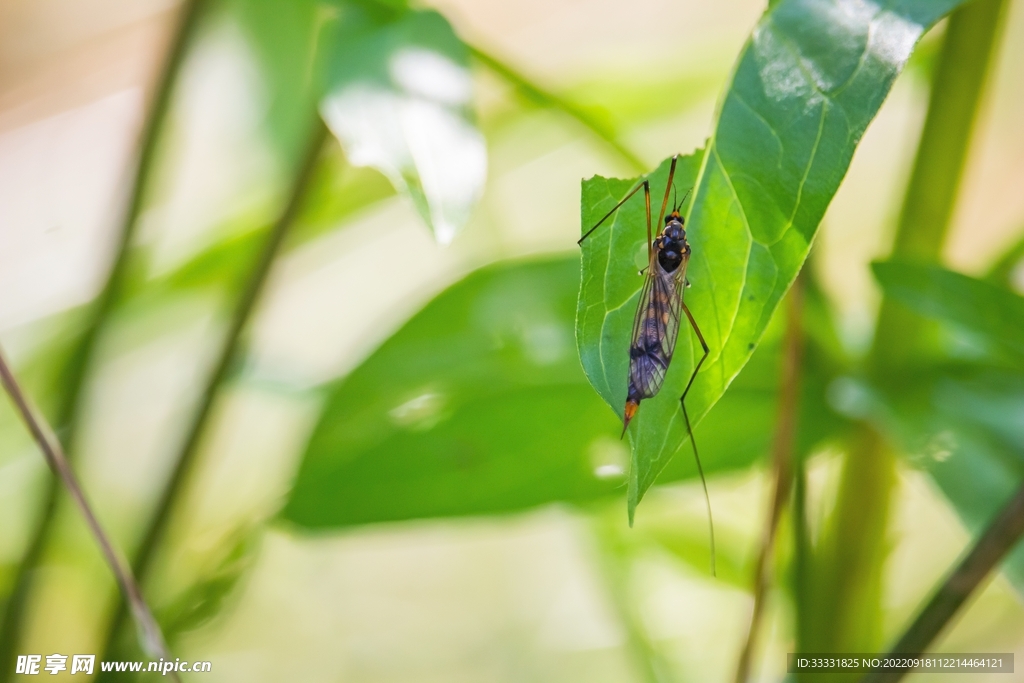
(847, 590)
(185, 461)
(69, 412)
(149, 630)
(956, 94)
(854, 551)
(548, 98)
(782, 461)
(994, 543)
(802, 553)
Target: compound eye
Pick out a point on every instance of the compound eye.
(668, 219)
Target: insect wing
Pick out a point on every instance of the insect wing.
(655, 328)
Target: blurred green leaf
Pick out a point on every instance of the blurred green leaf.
(805, 87)
(223, 264)
(976, 449)
(478, 405)
(398, 100)
(964, 425)
(475, 405)
(1002, 271)
(976, 305)
(202, 600)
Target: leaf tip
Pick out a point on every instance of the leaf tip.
(632, 495)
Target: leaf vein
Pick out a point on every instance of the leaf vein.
(750, 234)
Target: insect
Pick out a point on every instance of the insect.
(656, 324)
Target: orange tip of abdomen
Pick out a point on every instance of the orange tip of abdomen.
(628, 414)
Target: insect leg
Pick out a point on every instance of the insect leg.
(671, 175)
(689, 430)
(647, 200)
(647, 190)
(703, 345)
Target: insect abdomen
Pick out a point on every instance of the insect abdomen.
(646, 367)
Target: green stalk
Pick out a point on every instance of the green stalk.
(847, 590)
(229, 354)
(956, 94)
(68, 412)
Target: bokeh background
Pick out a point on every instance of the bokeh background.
(557, 592)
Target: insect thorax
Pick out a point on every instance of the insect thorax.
(672, 246)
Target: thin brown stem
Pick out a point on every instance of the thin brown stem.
(48, 443)
(1001, 535)
(73, 381)
(186, 459)
(782, 463)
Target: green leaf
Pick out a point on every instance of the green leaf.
(392, 84)
(962, 425)
(977, 449)
(399, 101)
(1002, 271)
(478, 405)
(981, 307)
(808, 82)
(612, 258)
(205, 597)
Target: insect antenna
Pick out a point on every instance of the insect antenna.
(682, 201)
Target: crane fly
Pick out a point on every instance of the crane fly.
(656, 324)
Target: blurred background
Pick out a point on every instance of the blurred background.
(408, 579)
